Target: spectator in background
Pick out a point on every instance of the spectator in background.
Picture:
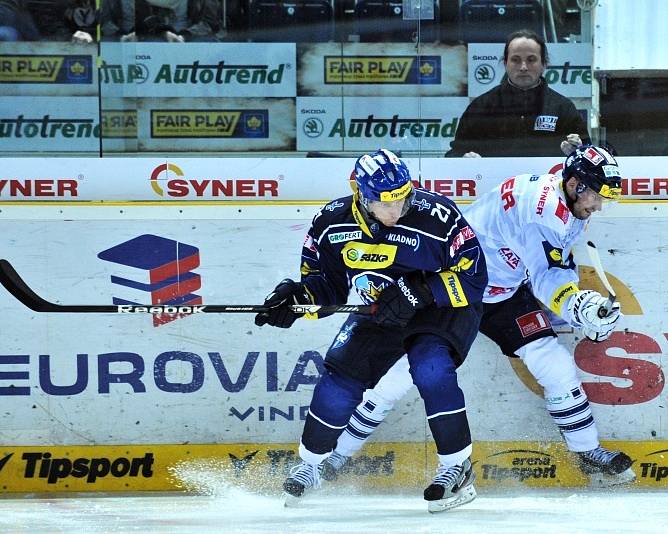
(16, 23)
(522, 116)
(48, 20)
(174, 21)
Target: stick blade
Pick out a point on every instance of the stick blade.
(15, 285)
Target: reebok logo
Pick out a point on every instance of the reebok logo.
(5, 460)
(129, 308)
(407, 292)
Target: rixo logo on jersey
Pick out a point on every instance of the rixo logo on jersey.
(368, 285)
(169, 180)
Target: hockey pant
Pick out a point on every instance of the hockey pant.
(547, 360)
(433, 371)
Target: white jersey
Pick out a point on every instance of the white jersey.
(527, 231)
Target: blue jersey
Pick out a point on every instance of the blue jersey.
(343, 251)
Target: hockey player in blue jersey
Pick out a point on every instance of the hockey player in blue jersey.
(412, 253)
(527, 226)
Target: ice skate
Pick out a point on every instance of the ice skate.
(452, 487)
(302, 476)
(606, 468)
(332, 465)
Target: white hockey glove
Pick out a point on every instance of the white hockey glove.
(584, 308)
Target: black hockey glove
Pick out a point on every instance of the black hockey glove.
(397, 304)
(287, 293)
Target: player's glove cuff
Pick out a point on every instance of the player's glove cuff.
(279, 301)
(589, 311)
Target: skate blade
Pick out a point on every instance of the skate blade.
(463, 496)
(602, 480)
(290, 501)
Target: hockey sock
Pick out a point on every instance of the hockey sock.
(365, 419)
(572, 414)
(377, 404)
(554, 369)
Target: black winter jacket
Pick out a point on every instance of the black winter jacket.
(508, 121)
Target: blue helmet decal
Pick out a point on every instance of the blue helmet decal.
(382, 176)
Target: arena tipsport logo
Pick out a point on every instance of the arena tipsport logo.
(152, 270)
(519, 464)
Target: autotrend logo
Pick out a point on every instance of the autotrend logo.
(155, 270)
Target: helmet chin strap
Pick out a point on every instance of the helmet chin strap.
(579, 189)
(364, 209)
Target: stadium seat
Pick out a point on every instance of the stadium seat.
(490, 21)
(383, 21)
(292, 21)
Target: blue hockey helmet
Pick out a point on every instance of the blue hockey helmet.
(596, 168)
(382, 177)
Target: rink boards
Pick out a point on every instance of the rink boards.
(263, 467)
(117, 389)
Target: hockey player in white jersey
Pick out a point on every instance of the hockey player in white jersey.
(527, 227)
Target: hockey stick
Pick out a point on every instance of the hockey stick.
(598, 267)
(13, 283)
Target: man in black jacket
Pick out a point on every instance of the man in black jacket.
(522, 116)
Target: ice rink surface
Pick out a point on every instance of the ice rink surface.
(232, 510)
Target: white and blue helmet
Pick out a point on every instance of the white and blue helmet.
(382, 177)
